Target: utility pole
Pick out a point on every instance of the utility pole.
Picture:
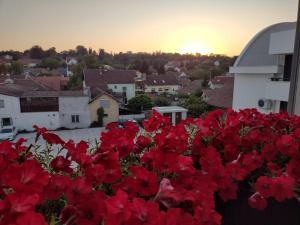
(294, 95)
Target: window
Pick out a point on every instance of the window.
(152, 89)
(160, 89)
(124, 89)
(1, 104)
(287, 67)
(115, 86)
(6, 122)
(283, 106)
(75, 118)
(104, 103)
(166, 89)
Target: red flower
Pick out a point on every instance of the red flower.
(143, 142)
(52, 138)
(56, 186)
(31, 218)
(21, 203)
(293, 169)
(145, 182)
(143, 212)
(282, 188)
(60, 164)
(263, 186)
(28, 177)
(288, 146)
(117, 209)
(78, 188)
(257, 201)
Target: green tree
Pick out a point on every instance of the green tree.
(100, 115)
(196, 106)
(36, 52)
(16, 68)
(75, 81)
(91, 61)
(81, 50)
(51, 63)
(140, 103)
(205, 82)
(162, 101)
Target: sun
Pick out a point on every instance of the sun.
(193, 48)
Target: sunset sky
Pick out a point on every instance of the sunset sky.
(206, 26)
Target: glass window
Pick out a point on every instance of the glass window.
(6, 122)
(124, 89)
(75, 118)
(104, 103)
(1, 104)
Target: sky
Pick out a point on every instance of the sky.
(184, 26)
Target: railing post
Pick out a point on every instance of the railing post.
(294, 95)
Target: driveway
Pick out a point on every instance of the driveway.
(88, 134)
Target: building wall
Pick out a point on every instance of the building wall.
(172, 89)
(248, 89)
(69, 106)
(118, 88)
(25, 121)
(112, 111)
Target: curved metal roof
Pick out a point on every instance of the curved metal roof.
(256, 52)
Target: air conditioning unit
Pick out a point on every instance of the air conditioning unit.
(265, 103)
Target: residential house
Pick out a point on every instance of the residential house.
(220, 93)
(24, 103)
(71, 61)
(263, 69)
(161, 83)
(55, 82)
(191, 87)
(29, 63)
(110, 106)
(121, 83)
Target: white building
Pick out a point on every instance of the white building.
(161, 83)
(175, 112)
(121, 83)
(263, 69)
(50, 109)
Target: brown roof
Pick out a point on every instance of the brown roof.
(161, 79)
(31, 88)
(27, 60)
(191, 87)
(221, 97)
(220, 79)
(54, 82)
(98, 80)
(95, 77)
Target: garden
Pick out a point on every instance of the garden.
(230, 168)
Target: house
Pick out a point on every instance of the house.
(263, 69)
(24, 103)
(55, 82)
(191, 87)
(121, 83)
(161, 83)
(29, 63)
(175, 112)
(110, 106)
(220, 93)
(71, 61)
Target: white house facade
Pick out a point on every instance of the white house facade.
(52, 112)
(263, 69)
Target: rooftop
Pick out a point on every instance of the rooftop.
(166, 109)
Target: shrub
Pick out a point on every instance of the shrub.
(166, 175)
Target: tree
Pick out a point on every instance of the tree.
(162, 101)
(140, 103)
(51, 52)
(36, 52)
(51, 63)
(81, 50)
(75, 81)
(100, 115)
(205, 82)
(16, 68)
(91, 61)
(196, 106)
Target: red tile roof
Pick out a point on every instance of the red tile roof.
(54, 82)
(221, 97)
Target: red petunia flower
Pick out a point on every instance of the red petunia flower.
(257, 201)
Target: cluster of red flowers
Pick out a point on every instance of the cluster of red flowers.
(164, 175)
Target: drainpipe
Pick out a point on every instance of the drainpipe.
(294, 95)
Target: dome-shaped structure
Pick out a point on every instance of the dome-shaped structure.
(256, 52)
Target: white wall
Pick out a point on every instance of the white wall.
(118, 88)
(248, 89)
(172, 88)
(25, 121)
(69, 106)
(282, 42)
